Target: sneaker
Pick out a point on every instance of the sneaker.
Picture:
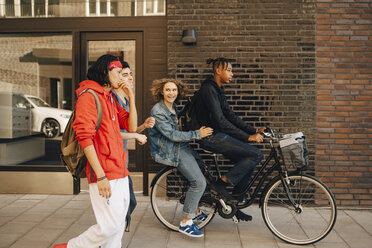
(220, 188)
(200, 217)
(190, 230)
(61, 246)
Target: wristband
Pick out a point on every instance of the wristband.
(101, 178)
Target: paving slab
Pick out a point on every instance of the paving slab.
(363, 218)
(28, 221)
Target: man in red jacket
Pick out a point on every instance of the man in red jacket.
(109, 191)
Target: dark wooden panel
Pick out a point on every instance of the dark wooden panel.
(153, 29)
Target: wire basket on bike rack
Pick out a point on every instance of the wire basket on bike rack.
(294, 151)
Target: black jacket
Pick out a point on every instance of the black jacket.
(213, 110)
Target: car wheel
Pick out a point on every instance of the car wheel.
(50, 128)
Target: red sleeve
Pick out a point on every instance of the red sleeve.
(85, 120)
(123, 116)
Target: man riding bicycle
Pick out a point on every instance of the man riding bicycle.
(231, 134)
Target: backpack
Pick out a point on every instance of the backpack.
(187, 118)
(73, 156)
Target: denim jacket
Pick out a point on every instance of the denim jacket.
(165, 138)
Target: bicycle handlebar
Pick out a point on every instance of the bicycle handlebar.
(269, 133)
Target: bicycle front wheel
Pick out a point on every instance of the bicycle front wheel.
(168, 196)
(312, 217)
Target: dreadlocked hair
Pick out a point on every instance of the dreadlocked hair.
(217, 62)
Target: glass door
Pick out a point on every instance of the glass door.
(126, 46)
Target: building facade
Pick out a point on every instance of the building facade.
(301, 65)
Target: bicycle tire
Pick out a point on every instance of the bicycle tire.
(167, 196)
(311, 222)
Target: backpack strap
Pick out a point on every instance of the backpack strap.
(99, 113)
(98, 104)
(99, 107)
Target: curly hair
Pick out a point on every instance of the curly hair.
(158, 86)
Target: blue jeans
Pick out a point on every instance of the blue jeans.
(245, 156)
(132, 203)
(189, 168)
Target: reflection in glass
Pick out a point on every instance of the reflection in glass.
(154, 7)
(35, 71)
(80, 8)
(38, 102)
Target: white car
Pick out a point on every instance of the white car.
(50, 121)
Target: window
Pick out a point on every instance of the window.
(26, 8)
(92, 7)
(20, 102)
(8, 9)
(39, 7)
(154, 7)
(80, 8)
(35, 72)
(98, 7)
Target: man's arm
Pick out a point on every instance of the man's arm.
(103, 185)
(237, 121)
(149, 123)
(210, 97)
(132, 118)
(142, 139)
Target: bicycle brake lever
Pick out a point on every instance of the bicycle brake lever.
(268, 135)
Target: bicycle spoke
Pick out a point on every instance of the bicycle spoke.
(312, 217)
(167, 198)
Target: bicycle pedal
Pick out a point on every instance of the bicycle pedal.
(235, 219)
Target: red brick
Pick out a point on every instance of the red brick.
(339, 180)
(323, 16)
(323, 98)
(336, 11)
(358, 147)
(339, 136)
(323, 103)
(344, 76)
(348, 202)
(344, 142)
(344, 130)
(336, 152)
(323, 38)
(358, 191)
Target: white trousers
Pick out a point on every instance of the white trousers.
(110, 215)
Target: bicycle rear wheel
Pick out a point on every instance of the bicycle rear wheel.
(168, 195)
(313, 217)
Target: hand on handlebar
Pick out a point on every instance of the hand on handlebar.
(258, 138)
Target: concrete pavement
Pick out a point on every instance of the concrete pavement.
(39, 221)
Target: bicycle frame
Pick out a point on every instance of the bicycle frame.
(276, 166)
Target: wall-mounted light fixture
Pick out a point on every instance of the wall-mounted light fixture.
(189, 37)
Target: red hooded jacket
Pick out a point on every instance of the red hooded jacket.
(107, 140)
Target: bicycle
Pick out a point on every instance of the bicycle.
(288, 200)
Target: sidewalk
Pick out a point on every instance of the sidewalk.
(39, 221)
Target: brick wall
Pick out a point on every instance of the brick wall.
(344, 98)
(282, 80)
(272, 44)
